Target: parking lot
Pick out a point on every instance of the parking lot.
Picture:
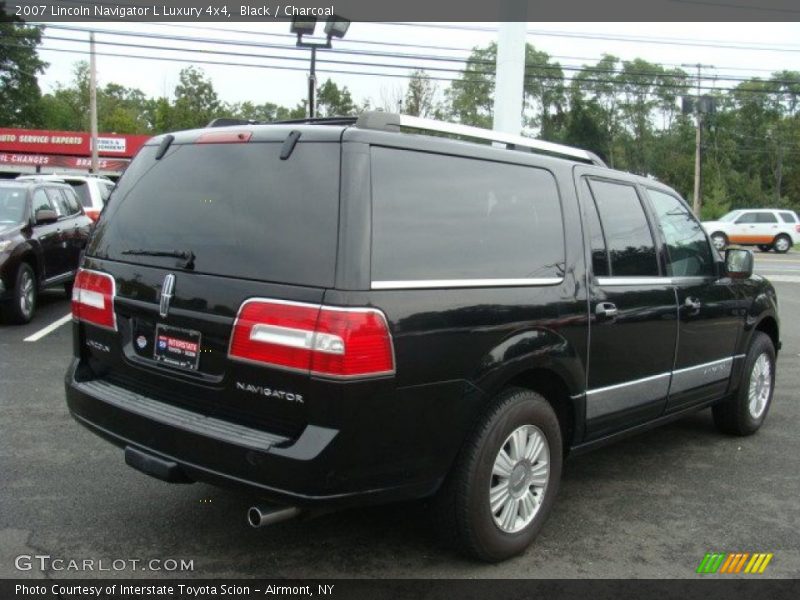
(650, 506)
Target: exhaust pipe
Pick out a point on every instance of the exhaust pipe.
(259, 516)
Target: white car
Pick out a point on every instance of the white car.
(769, 229)
(92, 190)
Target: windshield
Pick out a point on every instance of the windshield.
(12, 205)
(228, 209)
(731, 216)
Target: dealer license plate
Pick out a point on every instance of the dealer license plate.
(177, 347)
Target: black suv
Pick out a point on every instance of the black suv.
(340, 313)
(43, 230)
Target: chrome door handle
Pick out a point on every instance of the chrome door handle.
(606, 310)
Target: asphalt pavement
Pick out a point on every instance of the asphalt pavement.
(650, 506)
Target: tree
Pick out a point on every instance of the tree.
(420, 95)
(20, 65)
(334, 102)
(196, 101)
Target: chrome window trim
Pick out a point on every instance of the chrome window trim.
(409, 284)
(613, 281)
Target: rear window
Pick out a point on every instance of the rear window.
(440, 218)
(238, 208)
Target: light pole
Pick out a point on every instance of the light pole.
(335, 27)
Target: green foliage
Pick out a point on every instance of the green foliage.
(20, 95)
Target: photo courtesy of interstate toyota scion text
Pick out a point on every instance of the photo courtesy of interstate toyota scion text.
(349, 311)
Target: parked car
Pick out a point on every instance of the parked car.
(339, 313)
(769, 229)
(93, 190)
(42, 233)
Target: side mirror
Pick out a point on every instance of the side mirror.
(44, 216)
(738, 263)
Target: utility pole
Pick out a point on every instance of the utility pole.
(698, 141)
(509, 88)
(93, 101)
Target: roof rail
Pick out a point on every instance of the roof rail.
(318, 121)
(393, 122)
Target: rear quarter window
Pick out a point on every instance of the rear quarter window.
(788, 217)
(444, 218)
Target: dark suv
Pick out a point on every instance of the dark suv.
(340, 313)
(43, 230)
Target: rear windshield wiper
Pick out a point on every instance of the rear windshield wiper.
(187, 255)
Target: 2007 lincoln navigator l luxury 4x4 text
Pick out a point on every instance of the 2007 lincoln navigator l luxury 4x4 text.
(342, 312)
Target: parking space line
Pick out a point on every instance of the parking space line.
(49, 329)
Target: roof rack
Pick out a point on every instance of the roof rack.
(229, 121)
(393, 122)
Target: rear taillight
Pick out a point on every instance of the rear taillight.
(797, 228)
(92, 213)
(313, 339)
(93, 298)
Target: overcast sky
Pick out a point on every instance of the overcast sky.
(758, 49)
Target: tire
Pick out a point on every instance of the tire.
(720, 240)
(782, 244)
(764, 247)
(22, 305)
(745, 411)
(463, 506)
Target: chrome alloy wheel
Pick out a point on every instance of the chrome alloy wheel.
(26, 294)
(519, 478)
(760, 386)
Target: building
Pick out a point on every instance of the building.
(42, 151)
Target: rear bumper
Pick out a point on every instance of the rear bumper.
(306, 471)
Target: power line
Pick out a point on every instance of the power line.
(622, 78)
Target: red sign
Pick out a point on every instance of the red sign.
(65, 162)
(74, 143)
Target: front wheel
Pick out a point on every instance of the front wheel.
(782, 244)
(505, 479)
(745, 411)
(720, 240)
(23, 302)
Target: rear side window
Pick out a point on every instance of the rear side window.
(238, 208)
(766, 218)
(628, 238)
(437, 217)
(788, 217)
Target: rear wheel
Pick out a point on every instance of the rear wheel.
(764, 247)
(23, 302)
(745, 411)
(505, 480)
(720, 240)
(782, 244)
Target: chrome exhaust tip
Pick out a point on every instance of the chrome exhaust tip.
(261, 515)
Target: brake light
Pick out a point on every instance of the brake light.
(313, 339)
(224, 137)
(92, 213)
(93, 298)
(797, 228)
